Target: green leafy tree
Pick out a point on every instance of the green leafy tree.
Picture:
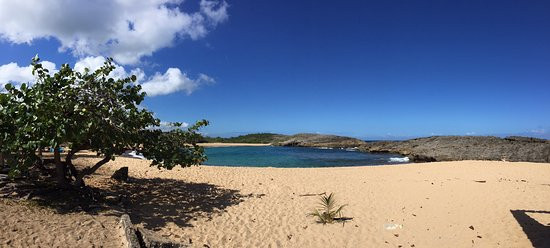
(87, 111)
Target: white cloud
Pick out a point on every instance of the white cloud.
(538, 131)
(167, 126)
(15, 74)
(126, 30)
(94, 63)
(173, 80)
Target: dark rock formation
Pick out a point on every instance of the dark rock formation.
(121, 174)
(319, 140)
(448, 148)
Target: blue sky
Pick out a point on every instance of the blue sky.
(369, 69)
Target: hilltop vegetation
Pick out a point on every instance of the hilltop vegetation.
(319, 140)
(254, 138)
(303, 139)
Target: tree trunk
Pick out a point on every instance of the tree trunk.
(69, 162)
(40, 152)
(88, 171)
(59, 168)
(2, 164)
(73, 170)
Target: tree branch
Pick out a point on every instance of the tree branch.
(59, 168)
(88, 171)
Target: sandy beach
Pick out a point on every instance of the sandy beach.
(428, 122)
(443, 204)
(26, 225)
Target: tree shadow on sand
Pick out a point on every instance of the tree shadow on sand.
(155, 202)
(151, 202)
(538, 234)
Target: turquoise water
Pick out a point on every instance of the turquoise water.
(289, 157)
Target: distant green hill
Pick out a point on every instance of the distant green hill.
(257, 138)
(301, 139)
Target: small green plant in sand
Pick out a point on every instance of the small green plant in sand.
(327, 212)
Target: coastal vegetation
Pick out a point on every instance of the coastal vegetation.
(74, 111)
(301, 139)
(254, 138)
(327, 211)
(320, 140)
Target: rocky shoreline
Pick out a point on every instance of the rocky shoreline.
(427, 149)
(454, 148)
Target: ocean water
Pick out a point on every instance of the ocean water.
(292, 157)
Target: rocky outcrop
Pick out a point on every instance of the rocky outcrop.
(319, 140)
(121, 174)
(447, 148)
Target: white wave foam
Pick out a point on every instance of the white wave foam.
(399, 160)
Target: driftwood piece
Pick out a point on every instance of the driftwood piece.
(142, 238)
(129, 232)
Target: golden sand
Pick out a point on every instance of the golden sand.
(443, 204)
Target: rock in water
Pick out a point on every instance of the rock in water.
(121, 174)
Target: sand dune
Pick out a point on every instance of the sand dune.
(444, 204)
